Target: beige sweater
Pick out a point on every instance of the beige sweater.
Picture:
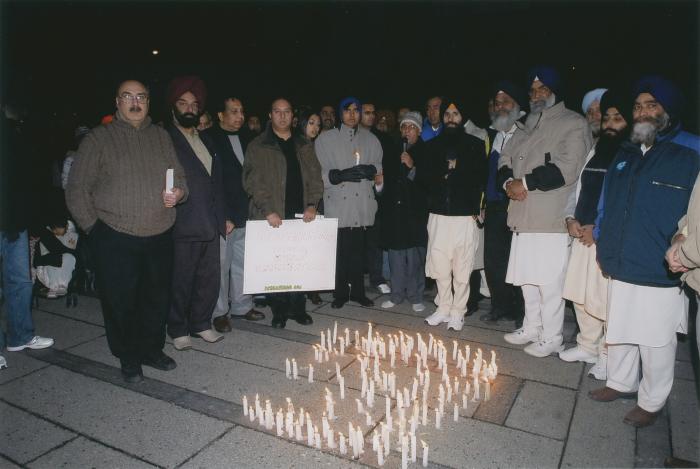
(689, 251)
(119, 175)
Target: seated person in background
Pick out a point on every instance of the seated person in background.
(55, 258)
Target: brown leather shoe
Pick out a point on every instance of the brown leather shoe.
(252, 315)
(639, 417)
(314, 297)
(607, 394)
(222, 324)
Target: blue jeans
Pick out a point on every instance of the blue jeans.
(16, 290)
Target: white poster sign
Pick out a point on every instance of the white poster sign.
(297, 256)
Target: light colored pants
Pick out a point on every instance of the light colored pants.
(55, 278)
(452, 245)
(591, 337)
(544, 309)
(657, 365)
(231, 297)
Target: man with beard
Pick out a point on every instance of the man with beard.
(506, 299)
(645, 194)
(327, 118)
(200, 221)
(231, 141)
(591, 109)
(350, 157)
(585, 285)
(375, 254)
(116, 192)
(455, 176)
(539, 168)
(282, 175)
(432, 125)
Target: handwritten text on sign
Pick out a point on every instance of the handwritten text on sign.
(297, 256)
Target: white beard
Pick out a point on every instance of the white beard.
(645, 132)
(504, 122)
(542, 104)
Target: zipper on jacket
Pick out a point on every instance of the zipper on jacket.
(630, 194)
(672, 186)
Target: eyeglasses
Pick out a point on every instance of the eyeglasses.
(140, 98)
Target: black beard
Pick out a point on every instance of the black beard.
(186, 120)
(451, 128)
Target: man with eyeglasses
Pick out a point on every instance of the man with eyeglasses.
(117, 193)
(201, 221)
(538, 169)
(646, 192)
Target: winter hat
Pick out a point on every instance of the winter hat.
(591, 97)
(512, 90)
(618, 100)
(412, 117)
(547, 75)
(665, 92)
(181, 85)
(345, 102)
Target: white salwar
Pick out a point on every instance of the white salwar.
(452, 246)
(57, 278)
(537, 264)
(642, 326)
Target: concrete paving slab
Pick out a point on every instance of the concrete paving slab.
(7, 464)
(542, 409)
(684, 370)
(88, 309)
(245, 448)
(683, 409)
(471, 443)
(684, 350)
(597, 436)
(23, 436)
(503, 393)
(18, 364)
(82, 452)
(65, 332)
(145, 427)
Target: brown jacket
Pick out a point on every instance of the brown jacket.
(265, 174)
(689, 251)
(565, 138)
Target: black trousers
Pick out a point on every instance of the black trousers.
(133, 279)
(287, 304)
(374, 255)
(349, 263)
(196, 281)
(505, 298)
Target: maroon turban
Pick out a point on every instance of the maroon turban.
(181, 85)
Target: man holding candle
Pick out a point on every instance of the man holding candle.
(283, 177)
(350, 159)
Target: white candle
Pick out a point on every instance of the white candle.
(465, 398)
(245, 406)
(278, 423)
(456, 385)
(357, 338)
(375, 441)
(454, 350)
(341, 442)
(404, 452)
(406, 398)
(477, 394)
(329, 338)
(288, 369)
(449, 392)
(360, 409)
(317, 439)
(347, 336)
(368, 419)
(370, 395)
(297, 431)
(323, 340)
(342, 347)
(437, 419)
(425, 453)
(331, 438)
(413, 447)
(424, 417)
(388, 411)
(251, 414)
(456, 413)
(487, 391)
(380, 455)
(342, 388)
(295, 370)
(335, 332)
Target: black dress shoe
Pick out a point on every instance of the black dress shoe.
(364, 301)
(303, 318)
(471, 309)
(131, 371)
(160, 361)
(279, 321)
(314, 297)
(222, 324)
(338, 303)
(496, 315)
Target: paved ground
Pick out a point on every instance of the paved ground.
(68, 407)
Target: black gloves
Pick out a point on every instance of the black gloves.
(352, 174)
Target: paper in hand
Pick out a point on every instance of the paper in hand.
(169, 180)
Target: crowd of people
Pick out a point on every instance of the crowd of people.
(546, 204)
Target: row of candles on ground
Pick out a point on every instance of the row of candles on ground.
(292, 424)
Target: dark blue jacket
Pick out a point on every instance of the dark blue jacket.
(644, 197)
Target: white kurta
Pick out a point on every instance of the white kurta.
(642, 315)
(537, 258)
(585, 283)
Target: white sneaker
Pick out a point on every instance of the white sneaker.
(577, 354)
(210, 335)
(437, 318)
(544, 348)
(600, 370)
(383, 288)
(3, 362)
(418, 307)
(388, 304)
(36, 343)
(520, 337)
(182, 343)
(455, 323)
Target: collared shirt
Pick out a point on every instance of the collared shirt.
(198, 147)
(237, 147)
(499, 141)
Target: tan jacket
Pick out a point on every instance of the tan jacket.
(265, 175)
(689, 251)
(566, 137)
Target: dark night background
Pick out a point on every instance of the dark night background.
(63, 60)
